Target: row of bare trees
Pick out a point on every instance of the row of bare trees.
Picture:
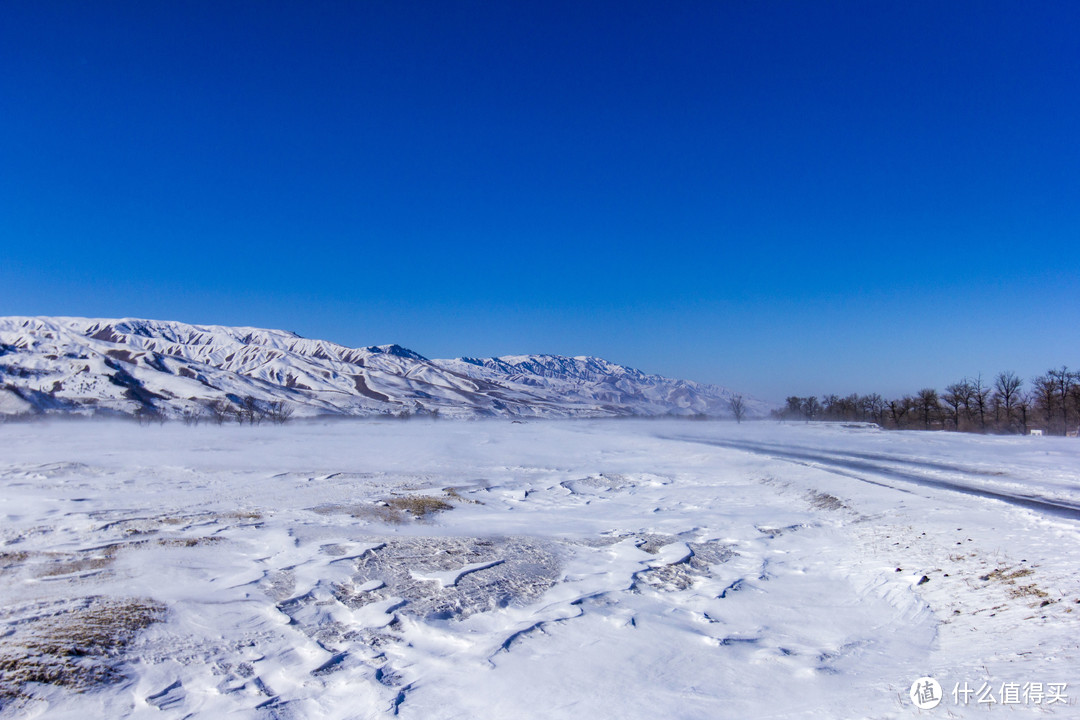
(241, 410)
(1050, 402)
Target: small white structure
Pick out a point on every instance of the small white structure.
(1035, 432)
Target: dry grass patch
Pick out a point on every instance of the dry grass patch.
(825, 501)
(188, 542)
(1015, 591)
(76, 647)
(1007, 577)
(419, 506)
(77, 564)
(453, 494)
(392, 511)
(1032, 590)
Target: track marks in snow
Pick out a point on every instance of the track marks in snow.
(857, 465)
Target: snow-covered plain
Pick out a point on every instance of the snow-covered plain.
(575, 569)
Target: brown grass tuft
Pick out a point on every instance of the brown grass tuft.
(76, 648)
(419, 506)
(188, 542)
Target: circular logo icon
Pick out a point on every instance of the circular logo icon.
(925, 693)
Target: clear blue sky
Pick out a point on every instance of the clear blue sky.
(782, 197)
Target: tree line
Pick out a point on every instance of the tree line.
(1006, 404)
(240, 410)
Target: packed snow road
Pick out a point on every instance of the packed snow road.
(587, 569)
(969, 480)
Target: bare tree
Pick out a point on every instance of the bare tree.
(250, 410)
(873, 405)
(192, 415)
(980, 395)
(1044, 397)
(928, 406)
(738, 408)
(852, 407)
(1006, 392)
(279, 412)
(811, 408)
(1063, 383)
(238, 412)
(898, 410)
(835, 407)
(219, 411)
(1023, 409)
(793, 409)
(1074, 396)
(957, 395)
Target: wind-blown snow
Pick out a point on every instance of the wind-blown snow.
(586, 569)
(134, 366)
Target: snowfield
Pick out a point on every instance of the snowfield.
(555, 569)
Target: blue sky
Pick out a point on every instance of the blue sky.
(782, 197)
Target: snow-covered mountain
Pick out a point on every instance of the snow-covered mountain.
(151, 367)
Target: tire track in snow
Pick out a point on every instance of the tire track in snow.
(839, 462)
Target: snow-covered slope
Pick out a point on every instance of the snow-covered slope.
(169, 368)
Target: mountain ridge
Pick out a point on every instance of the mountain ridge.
(134, 366)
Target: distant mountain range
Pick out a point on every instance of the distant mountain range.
(171, 369)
